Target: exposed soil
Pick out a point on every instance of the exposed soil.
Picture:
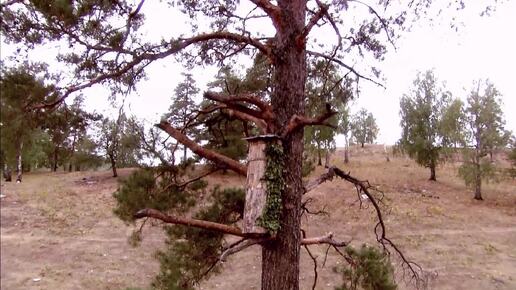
(58, 230)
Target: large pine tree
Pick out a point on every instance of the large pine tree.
(109, 48)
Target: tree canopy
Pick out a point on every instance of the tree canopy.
(363, 127)
(430, 121)
(484, 131)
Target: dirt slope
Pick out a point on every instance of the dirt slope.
(58, 230)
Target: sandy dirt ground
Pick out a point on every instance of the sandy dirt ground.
(58, 230)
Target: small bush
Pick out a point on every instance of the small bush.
(369, 269)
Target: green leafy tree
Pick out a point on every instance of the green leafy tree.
(20, 88)
(430, 121)
(119, 144)
(67, 126)
(484, 131)
(364, 128)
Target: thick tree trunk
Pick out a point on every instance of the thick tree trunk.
(280, 257)
(327, 159)
(432, 173)
(478, 182)
(362, 144)
(19, 169)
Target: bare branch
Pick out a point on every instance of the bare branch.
(326, 239)
(202, 224)
(328, 175)
(384, 25)
(338, 61)
(272, 10)
(363, 187)
(323, 10)
(220, 159)
(261, 124)
(297, 122)
(314, 259)
(174, 47)
(241, 245)
(246, 98)
(9, 3)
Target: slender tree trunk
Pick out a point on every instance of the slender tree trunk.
(113, 165)
(319, 157)
(478, 182)
(478, 172)
(327, 159)
(432, 172)
(19, 169)
(362, 145)
(184, 153)
(72, 152)
(346, 151)
(7, 173)
(280, 257)
(54, 161)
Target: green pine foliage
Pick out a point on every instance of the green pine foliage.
(143, 190)
(370, 269)
(191, 252)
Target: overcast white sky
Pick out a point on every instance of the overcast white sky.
(483, 47)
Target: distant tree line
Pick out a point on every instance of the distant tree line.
(64, 136)
(434, 125)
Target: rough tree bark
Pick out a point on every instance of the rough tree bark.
(432, 172)
(280, 257)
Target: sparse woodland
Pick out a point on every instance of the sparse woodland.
(291, 101)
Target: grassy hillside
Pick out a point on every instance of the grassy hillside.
(58, 230)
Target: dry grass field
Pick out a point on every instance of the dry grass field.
(58, 230)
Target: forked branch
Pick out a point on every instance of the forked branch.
(363, 187)
(340, 62)
(272, 11)
(298, 122)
